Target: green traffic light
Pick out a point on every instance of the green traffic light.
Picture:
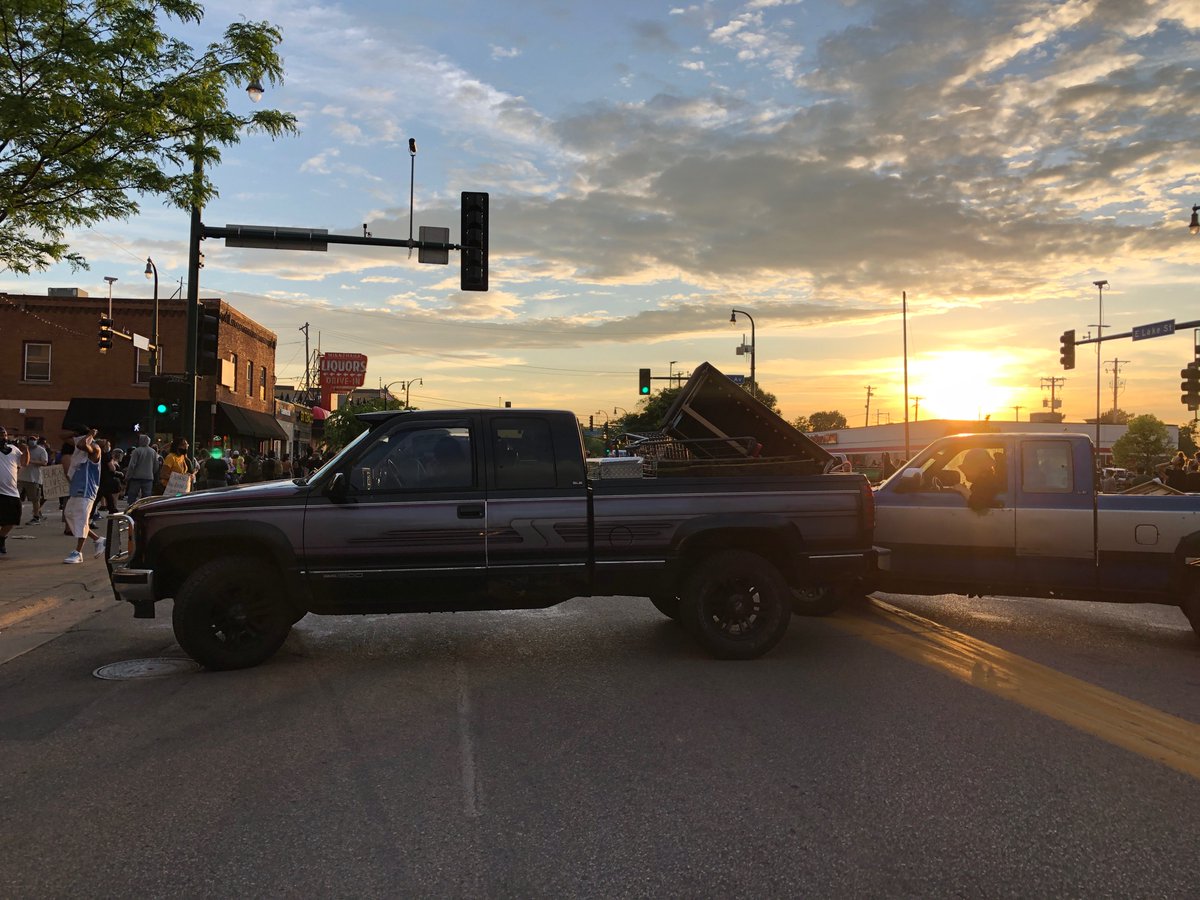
(161, 409)
(645, 390)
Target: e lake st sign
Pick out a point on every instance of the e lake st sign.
(1153, 330)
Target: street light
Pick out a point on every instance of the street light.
(623, 410)
(1194, 225)
(733, 314)
(152, 272)
(408, 387)
(1100, 286)
(670, 367)
(254, 90)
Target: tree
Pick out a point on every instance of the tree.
(801, 423)
(98, 105)
(767, 399)
(826, 420)
(342, 426)
(653, 411)
(1116, 416)
(1146, 442)
(1187, 438)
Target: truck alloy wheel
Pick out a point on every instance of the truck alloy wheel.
(736, 604)
(230, 614)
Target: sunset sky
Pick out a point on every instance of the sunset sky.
(652, 166)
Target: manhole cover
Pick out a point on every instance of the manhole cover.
(146, 668)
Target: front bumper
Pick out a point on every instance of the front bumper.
(131, 585)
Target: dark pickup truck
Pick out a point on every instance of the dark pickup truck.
(432, 511)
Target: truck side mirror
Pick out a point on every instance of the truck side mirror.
(909, 482)
(337, 488)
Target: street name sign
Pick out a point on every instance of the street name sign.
(1153, 330)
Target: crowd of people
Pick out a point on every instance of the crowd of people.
(99, 475)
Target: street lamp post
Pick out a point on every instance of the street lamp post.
(1100, 286)
(408, 387)
(671, 370)
(386, 390)
(152, 272)
(254, 91)
(733, 314)
(1194, 225)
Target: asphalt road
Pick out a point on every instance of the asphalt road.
(592, 749)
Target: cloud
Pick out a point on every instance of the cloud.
(505, 52)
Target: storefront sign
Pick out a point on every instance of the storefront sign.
(342, 372)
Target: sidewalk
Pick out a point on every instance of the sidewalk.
(40, 597)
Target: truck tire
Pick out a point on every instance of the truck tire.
(230, 613)
(817, 599)
(668, 605)
(736, 604)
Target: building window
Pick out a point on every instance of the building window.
(233, 387)
(249, 378)
(262, 383)
(37, 361)
(141, 366)
(35, 424)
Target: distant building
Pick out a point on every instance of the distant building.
(53, 377)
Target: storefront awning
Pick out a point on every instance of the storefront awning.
(248, 423)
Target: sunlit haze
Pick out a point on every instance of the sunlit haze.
(652, 166)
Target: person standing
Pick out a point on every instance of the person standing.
(29, 480)
(110, 484)
(85, 485)
(12, 458)
(139, 475)
(215, 470)
(175, 461)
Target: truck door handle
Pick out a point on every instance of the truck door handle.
(471, 511)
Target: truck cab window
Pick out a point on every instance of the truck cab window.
(416, 459)
(978, 473)
(1046, 467)
(524, 453)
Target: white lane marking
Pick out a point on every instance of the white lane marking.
(466, 744)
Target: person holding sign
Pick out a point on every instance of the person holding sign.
(12, 458)
(176, 461)
(85, 485)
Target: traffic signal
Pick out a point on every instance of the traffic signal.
(1066, 353)
(207, 334)
(1190, 385)
(644, 382)
(473, 237)
(167, 393)
(106, 328)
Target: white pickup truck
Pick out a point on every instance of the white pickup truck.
(1019, 514)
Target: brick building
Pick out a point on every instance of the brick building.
(53, 377)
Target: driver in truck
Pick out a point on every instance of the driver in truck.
(983, 479)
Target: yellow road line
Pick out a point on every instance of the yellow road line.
(12, 617)
(1134, 726)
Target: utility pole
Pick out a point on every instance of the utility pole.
(916, 407)
(1116, 374)
(1053, 384)
(1017, 413)
(867, 419)
(307, 368)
